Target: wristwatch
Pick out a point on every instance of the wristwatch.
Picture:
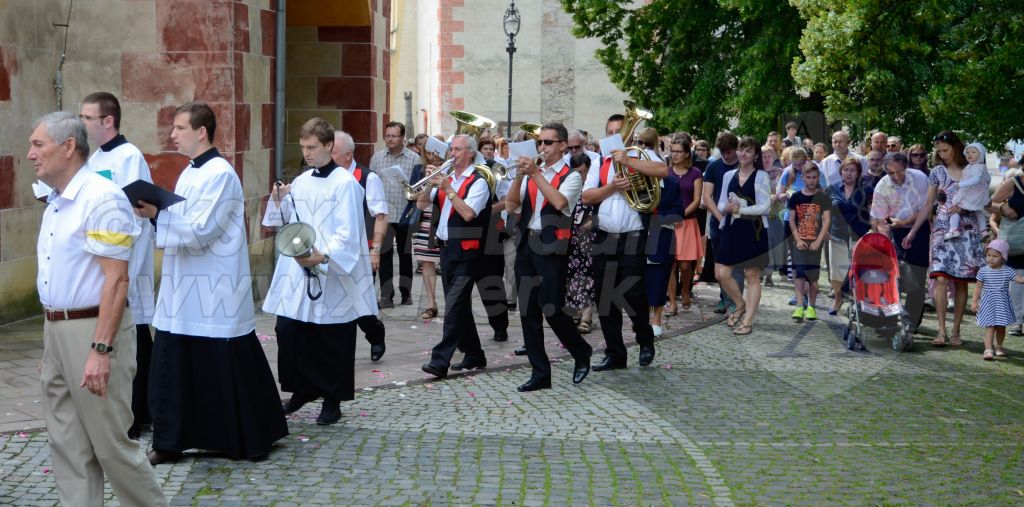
(102, 348)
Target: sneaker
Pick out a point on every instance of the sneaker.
(720, 307)
(656, 329)
(798, 314)
(810, 313)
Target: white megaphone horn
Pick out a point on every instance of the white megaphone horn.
(296, 240)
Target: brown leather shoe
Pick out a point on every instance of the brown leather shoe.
(158, 457)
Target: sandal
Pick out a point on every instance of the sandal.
(939, 341)
(1000, 352)
(735, 317)
(743, 330)
(671, 309)
(954, 341)
(987, 355)
(429, 313)
(583, 327)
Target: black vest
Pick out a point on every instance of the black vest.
(555, 227)
(466, 240)
(362, 174)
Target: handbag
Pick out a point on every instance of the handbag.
(1013, 230)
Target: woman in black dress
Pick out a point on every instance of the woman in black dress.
(743, 208)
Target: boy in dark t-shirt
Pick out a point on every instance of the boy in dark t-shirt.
(809, 217)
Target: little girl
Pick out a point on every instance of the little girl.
(995, 311)
(973, 195)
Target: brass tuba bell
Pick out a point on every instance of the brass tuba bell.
(532, 130)
(644, 191)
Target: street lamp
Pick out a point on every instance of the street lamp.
(511, 26)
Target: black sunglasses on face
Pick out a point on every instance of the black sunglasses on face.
(549, 142)
(576, 147)
(917, 154)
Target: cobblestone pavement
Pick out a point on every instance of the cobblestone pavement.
(782, 417)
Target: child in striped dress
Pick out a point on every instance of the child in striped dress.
(992, 297)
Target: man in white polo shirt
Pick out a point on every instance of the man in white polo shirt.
(84, 245)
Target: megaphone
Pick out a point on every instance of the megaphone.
(296, 240)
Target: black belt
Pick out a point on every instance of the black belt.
(628, 234)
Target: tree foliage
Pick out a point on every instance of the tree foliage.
(698, 64)
(909, 67)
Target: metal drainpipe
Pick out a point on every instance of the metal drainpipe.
(279, 109)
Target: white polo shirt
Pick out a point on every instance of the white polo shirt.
(91, 218)
(570, 189)
(478, 196)
(614, 214)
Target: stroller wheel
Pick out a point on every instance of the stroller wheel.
(846, 333)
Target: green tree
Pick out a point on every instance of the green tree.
(915, 67)
(699, 64)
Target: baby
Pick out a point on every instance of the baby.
(973, 194)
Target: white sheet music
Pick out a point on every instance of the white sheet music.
(526, 149)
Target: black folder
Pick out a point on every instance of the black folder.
(140, 190)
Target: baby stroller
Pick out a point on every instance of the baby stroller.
(874, 283)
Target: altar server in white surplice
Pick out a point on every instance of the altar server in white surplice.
(317, 313)
(210, 385)
(123, 163)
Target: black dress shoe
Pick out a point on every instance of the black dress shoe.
(470, 363)
(535, 384)
(580, 373)
(646, 355)
(330, 413)
(521, 351)
(609, 364)
(377, 351)
(295, 403)
(158, 457)
(406, 300)
(433, 369)
(501, 336)
(385, 303)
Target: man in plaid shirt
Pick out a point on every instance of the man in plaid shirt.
(397, 237)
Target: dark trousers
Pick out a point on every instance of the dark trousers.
(397, 238)
(490, 285)
(459, 329)
(715, 243)
(542, 289)
(913, 276)
(140, 385)
(619, 265)
(372, 327)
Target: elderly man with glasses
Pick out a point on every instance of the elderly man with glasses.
(578, 143)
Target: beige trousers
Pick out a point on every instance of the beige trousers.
(89, 434)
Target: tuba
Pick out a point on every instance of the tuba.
(532, 130)
(644, 191)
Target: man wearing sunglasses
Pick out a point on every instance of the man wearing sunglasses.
(893, 145)
(619, 257)
(578, 143)
(545, 197)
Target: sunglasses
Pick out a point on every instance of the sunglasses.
(892, 145)
(549, 142)
(942, 137)
(575, 147)
(917, 154)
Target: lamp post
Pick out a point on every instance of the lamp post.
(511, 26)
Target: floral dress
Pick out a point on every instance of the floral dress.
(959, 257)
(580, 293)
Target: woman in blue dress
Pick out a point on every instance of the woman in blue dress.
(743, 208)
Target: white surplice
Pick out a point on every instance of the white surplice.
(334, 207)
(205, 285)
